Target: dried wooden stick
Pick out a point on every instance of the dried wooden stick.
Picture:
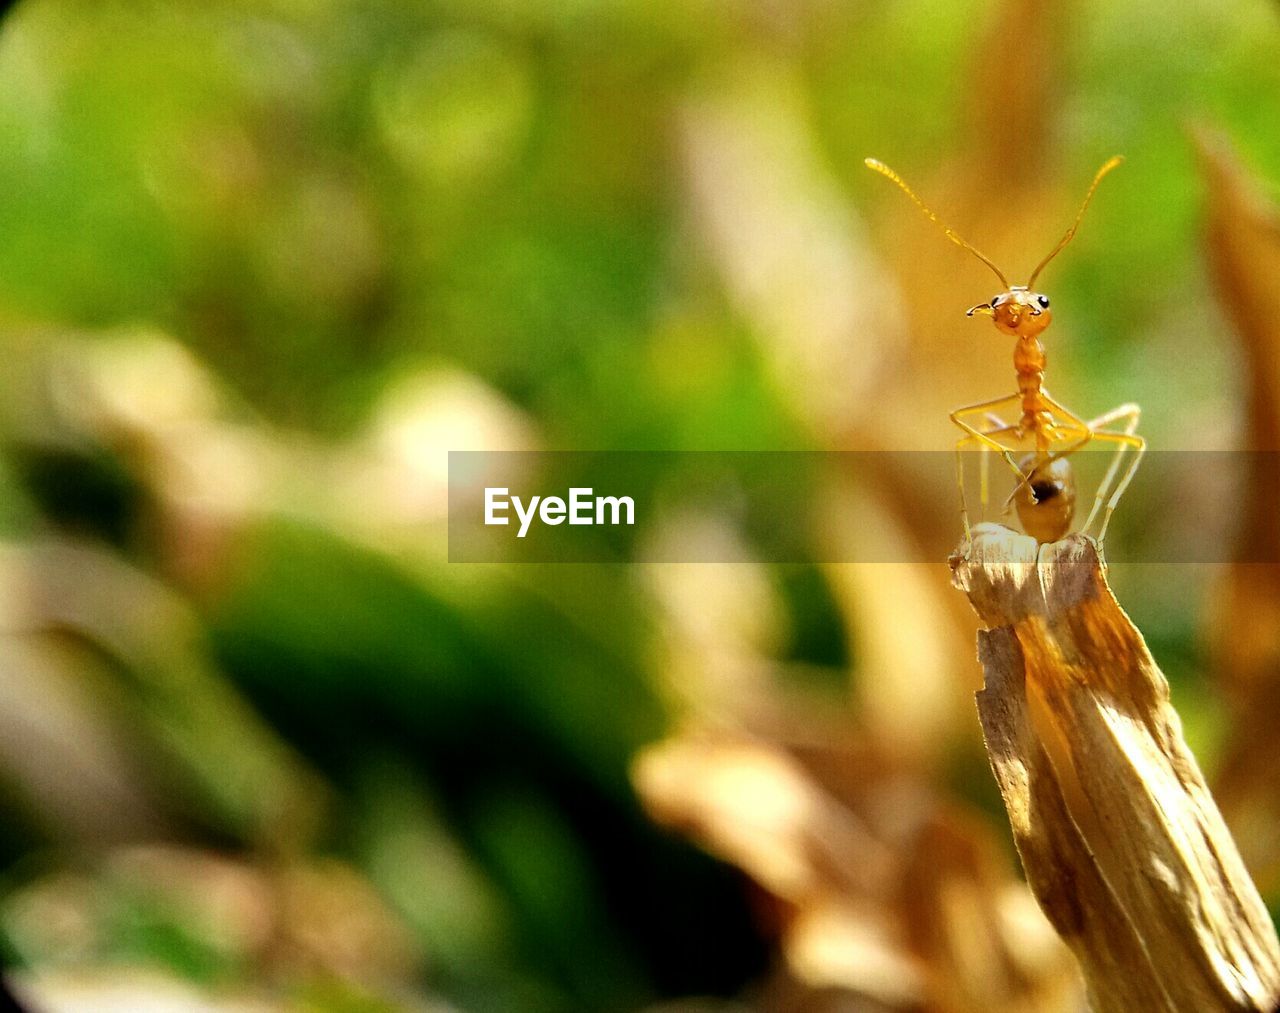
(1119, 836)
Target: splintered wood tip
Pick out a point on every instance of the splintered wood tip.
(1121, 841)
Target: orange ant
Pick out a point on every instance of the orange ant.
(1045, 493)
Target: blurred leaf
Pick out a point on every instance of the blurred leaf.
(1243, 241)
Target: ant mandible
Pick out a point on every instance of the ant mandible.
(1045, 493)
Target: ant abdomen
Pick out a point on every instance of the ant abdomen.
(1047, 503)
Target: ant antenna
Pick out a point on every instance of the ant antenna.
(951, 233)
(1071, 232)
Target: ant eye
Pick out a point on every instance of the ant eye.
(1043, 300)
(995, 301)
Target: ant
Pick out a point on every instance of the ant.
(1045, 493)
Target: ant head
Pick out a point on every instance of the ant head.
(1017, 311)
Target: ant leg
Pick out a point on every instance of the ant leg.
(984, 473)
(987, 407)
(1074, 423)
(997, 427)
(1139, 446)
(1073, 420)
(1130, 413)
(973, 435)
(964, 510)
(1125, 440)
(963, 442)
(984, 440)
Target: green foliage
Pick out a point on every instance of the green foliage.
(319, 200)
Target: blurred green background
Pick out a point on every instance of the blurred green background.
(263, 264)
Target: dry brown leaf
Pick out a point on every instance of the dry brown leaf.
(1243, 244)
(1011, 98)
(911, 687)
(1119, 835)
(884, 892)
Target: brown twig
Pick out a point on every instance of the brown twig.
(1119, 836)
